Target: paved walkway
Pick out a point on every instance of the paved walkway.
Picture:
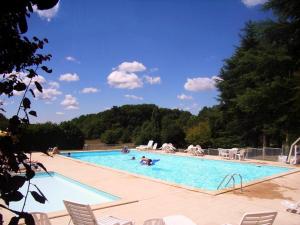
(158, 200)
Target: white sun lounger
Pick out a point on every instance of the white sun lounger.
(169, 148)
(262, 218)
(40, 218)
(170, 220)
(154, 147)
(83, 214)
(145, 147)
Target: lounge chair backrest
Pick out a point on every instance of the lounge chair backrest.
(154, 146)
(150, 143)
(155, 221)
(40, 218)
(265, 218)
(80, 214)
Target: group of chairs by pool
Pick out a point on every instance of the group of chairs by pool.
(167, 147)
(232, 153)
(83, 214)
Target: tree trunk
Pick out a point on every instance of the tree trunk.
(264, 145)
(287, 143)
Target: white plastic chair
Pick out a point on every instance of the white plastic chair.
(263, 218)
(240, 155)
(154, 221)
(178, 220)
(83, 214)
(40, 218)
(291, 206)
(224, 153)
(154, 146)
(145, 147)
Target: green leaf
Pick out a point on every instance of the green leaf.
(46, 69)
(38, 86)
(14, 220)
(43, 167)
(28, 218)
(26, 103)
(39, 198)
(20, 86)
(33, 113)
(17, 182)
(46, 4)
(14, 196)
(41, 193)
(31, 91)
(29, 172)
(31, 74)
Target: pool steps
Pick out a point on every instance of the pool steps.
(231, 177)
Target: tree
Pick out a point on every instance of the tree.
(258, 94)
(199, 134)
(19, 54)
(111, 136)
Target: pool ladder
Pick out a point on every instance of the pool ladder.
(232, 177)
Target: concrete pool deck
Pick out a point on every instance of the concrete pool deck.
(143, 198)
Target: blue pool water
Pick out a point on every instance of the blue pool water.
(57, 188)
(188, 171)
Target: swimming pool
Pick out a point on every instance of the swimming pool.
(192, 172)
(57, 188)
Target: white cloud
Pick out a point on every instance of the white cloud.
(251, 3)
(131, 67)
(184, 97)
(49, 94)
(59, 113)
(126, 76)
(123, 79)
(152, 80)
(70, 102)
(69, 77)
(50, 89)
(133, 97)
(72, 59)
(53, 84)
(201, 83)
(47, 14)
(89, 90)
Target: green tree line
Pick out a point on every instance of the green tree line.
(136, 124)
(39, 137)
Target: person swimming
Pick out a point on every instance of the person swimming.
(133, 158)
(125, 149)
(146, 161)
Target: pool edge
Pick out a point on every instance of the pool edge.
(199, 190)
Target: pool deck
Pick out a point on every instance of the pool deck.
(144, 198)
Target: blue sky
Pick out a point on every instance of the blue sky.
(106, 53)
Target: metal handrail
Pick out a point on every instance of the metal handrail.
(223, 181)
(233, 179)
(241, 179)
